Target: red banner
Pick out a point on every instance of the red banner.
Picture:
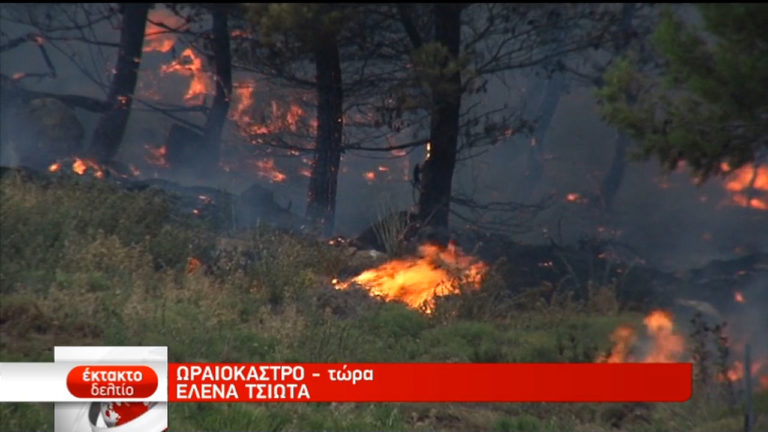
(429, 382)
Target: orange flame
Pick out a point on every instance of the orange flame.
(369, 175)
(279, 118)
(243, 102)
(666, 345)
(156, 155)
(157, 37)
(623, 338)
(190, 64)
(748, 186)
(266, 168)
(738, 297)
(735, 373)
(575, 198)
(193, 264)
(417, 281)
(79, 166)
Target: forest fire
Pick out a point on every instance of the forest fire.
(190, 64)
(748, 186)
(417, 281)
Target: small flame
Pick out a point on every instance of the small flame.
(190, 64)
(157, 155)
(193, 264)
(243, 102)
(737, 371)
(623, 339)
(417, 281)
(54, 167)
(79, 166)
(748, 186)
(370, 176)
(266, 168)
(157, 37)
(575, 197)
(738, 297)
(666, 345)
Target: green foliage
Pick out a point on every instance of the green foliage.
(301, 22)
(708, 105)
(523, 423)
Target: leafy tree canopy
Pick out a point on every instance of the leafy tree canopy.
(706, 102)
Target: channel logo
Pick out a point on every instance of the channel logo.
(92, 380)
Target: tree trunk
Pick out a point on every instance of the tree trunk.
(321, 197)
(615, 174)
(546, 111)
(217, 116)
(437, 170)
(109, 131)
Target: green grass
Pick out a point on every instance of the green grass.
(84, 262)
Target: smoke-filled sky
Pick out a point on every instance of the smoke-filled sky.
(667, 220)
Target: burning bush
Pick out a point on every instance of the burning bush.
(417, 281)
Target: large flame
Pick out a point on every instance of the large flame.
(417, 281)
(190, 64)
(748, 186)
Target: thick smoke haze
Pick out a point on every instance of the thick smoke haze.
(665, 218)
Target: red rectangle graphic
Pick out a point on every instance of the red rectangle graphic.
(429, 382)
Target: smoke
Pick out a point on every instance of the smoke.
(668, 221)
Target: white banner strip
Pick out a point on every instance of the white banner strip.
(47, 382)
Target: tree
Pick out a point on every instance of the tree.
(308, 47)
(468, 47)
(445, 87)
(109, 131)
(706, 104)
(222, 57)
